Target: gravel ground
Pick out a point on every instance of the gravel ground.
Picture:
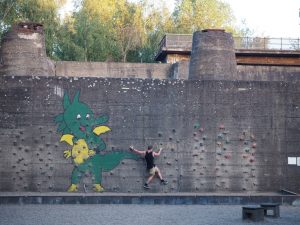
(136, 215)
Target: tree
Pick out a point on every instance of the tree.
(157, 22)
(105, 30)
(128, 21)
(192, 15)
(84, 36)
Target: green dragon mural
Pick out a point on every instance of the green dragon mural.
(81, 130)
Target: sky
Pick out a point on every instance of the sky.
(267, 18)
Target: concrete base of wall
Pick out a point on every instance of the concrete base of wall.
(151, 198)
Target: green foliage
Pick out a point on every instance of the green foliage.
(114, 30)
(84, 38)
(193, 15)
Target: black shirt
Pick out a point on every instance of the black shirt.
(149, 160)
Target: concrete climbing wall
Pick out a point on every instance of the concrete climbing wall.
(217, 136)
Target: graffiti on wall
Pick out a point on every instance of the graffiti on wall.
(82, 131)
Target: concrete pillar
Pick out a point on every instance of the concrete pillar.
(213, 56)
(23, 52)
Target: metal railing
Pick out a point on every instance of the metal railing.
(184, 41)
(267, 43)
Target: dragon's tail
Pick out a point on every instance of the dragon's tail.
(110, 160)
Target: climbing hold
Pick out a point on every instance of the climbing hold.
(246, 149)
(253, 145)
(220, 136)
(227, 140)
(197, 125)
(201, 129)
(225, 132)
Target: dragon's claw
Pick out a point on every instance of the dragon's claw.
(98, 188)
(72, 188)
(92, 152)
(67, 154)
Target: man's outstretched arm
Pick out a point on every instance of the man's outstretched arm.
(157, 153)
(137, 151)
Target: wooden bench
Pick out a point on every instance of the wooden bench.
(254, 213)
(274, 207)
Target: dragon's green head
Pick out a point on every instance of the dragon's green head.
(77, 118)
